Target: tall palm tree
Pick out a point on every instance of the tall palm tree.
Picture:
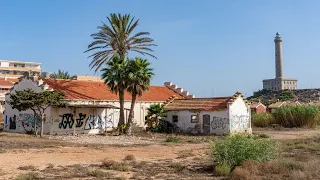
(61, 75)
(116, 39)
(139, 77)
(115, 75)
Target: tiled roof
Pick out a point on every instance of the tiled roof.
(89, 90)
(8, 82)
(276, 104)
(205, 104)
(255, 105)
(279, 104)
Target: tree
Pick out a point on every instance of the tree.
(116, 39)
(156, 110)
(114, 75)
(38, 102)
(139, 76)
(61, 75)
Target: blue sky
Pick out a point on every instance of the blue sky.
(208, 47)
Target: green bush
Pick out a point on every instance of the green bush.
(173, 139)
(261, 119)
(222, 169)
(297, 116)
(235, 149)
(286, 95)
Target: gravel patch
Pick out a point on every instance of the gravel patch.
(109, 140)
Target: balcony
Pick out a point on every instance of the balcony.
(12, 68)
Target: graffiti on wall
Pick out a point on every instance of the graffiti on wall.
(95, 122)
(219, 123)
(24, 120)
(27, 121)
(240, 122)
(66, 121)
(89, 121)
(79, 122)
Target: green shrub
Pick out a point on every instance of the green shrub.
(297, 116)
(222, 169)
(235, 149)
(262, 119)
(286, 95)
(173, 139)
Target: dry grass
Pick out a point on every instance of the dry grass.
(28, 167)
(299, 160)
(29, 176)
(130, 158)
(185, 154)
(113, 165)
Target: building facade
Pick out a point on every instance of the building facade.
(279, 82)
(218, 116)
(15, 69)
(92, 108)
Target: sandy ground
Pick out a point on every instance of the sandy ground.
(77, 150)
(142, 150)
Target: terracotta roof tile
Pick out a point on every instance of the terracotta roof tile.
(6, 83)
(89, 90)
(205, 104)
(255, 105)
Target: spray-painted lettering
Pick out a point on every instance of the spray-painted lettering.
(66, 121)
(219, 123)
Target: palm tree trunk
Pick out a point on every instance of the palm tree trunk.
(131, 113)
(121, 118)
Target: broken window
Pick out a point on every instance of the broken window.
(194, 119)
(174, 118)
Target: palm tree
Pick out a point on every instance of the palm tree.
(157, 110)
(139, 77)
(61, 75)
(114, 76)
(117, 39)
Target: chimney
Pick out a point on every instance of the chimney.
(45, 87)
(168, 84)
(185, 93)
(179, 90)
(40, 82)
(174, 86)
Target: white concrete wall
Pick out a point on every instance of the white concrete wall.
(4, 64)
(82, 120)
(240, 116)
(16, 121)
(219, 124)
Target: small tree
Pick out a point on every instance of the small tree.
(61, 75)
(37, 102)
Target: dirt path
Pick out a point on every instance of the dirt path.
(63, 156)
(292, 134)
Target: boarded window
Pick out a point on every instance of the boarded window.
(194, 119)
(174, 118)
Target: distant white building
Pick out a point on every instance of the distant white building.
(219, 115)
(15, 69)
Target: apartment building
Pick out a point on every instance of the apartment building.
(15, 69)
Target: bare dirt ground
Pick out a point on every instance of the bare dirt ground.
(110, 157)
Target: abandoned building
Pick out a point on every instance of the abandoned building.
(92, 107)
(219, 115)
